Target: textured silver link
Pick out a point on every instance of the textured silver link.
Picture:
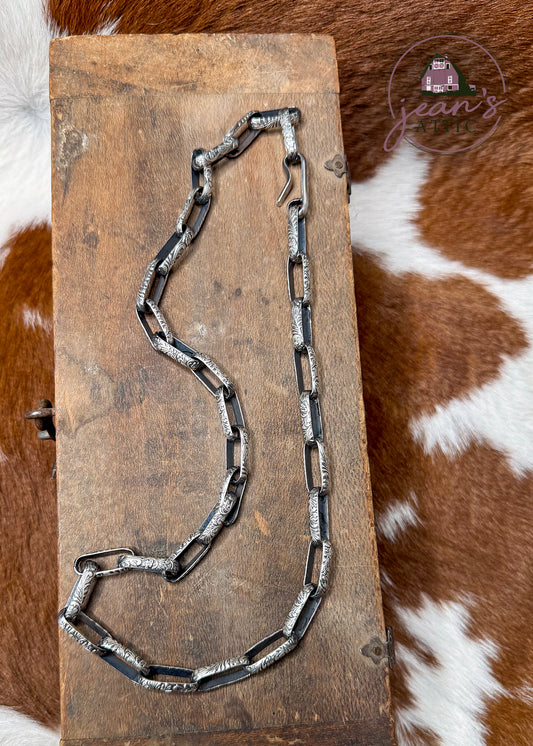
(184, 547)
(214, 669)
(289, 135)
(158, 565)
(80, 594)
(318, 516)
(274, 656)
(309, 449)
(213, 155)
(311, 418)
(314, 516)
(158, 314)
(114, 646)
(309, 352)
(146, 284)
(77, 635)
(185, 214)
(166, 686)
(272, 120)
(191, 551)
(205, 189)
(240, 434)
(184, 241)
(213, 367)
(226, 501)
(306, 278)
(174, 353)
(293, 231)
(207, 186)
(223, 412)
(241, 126)
(296, 610)
(325, 562)
(301, 324)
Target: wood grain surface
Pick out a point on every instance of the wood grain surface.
(140, 450)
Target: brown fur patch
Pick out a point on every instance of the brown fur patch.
(29, 678)
(477, 209)
(423, 342)
(369, 40)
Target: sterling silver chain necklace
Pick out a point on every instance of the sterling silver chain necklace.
(73, 617)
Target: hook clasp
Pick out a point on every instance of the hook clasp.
(288, 184)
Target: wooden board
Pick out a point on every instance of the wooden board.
(140, 450)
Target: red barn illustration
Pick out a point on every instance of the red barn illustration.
(441, 76)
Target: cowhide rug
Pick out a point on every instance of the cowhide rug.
(442, 248)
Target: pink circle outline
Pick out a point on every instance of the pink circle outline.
(421, 41)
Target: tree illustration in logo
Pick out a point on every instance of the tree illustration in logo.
(443, 77)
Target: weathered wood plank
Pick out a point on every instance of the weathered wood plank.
(140, 449)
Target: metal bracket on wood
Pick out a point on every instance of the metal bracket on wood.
(340, 166)
(43, 418)
(377, 650)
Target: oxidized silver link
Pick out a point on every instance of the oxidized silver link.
(322, 466)
(184, 241)
(158, 314)
(180, 562)
(273, 120)
(213, 669)
(213, 367)
(216, 153)
(241, 126)
(206, 188)
(318, 516)
(311, 418)
(306, 278)
(114, 646)
(183, 547)
(158, 565)
(289, 135)
(325, 563)
(314, 516)
(309, 351)
(166, 686)
(184, 215)
(146, 284)
(227, 428)
(172, 352)
(296, 231)
(77, 635)
(296, 610)
(80, 594)
(80, 561)
(242, 437)
(226, 501)
(274, 656)
(301, 324)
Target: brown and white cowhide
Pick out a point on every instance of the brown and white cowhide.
(445, 304)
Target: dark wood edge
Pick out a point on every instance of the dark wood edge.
(369, 733)
(72, 59)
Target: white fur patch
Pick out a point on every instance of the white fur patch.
(25, 192)
(500, 413)
(24, 116)
(32, 319)
(449, 699)
(3, 256)
(25, 195)
(18, 730)
(396, 518)
(3, 457)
